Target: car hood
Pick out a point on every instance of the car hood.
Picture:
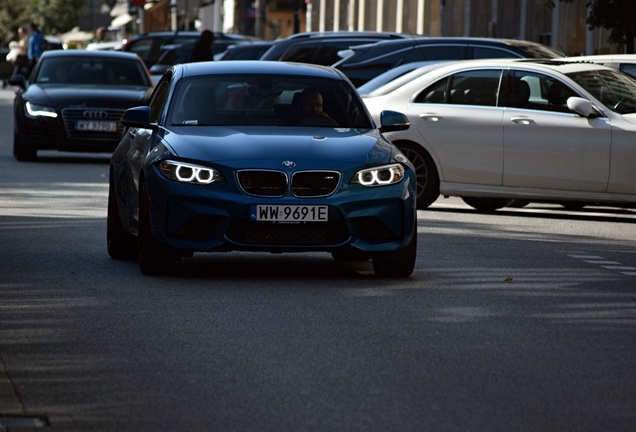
(261, 147)
(55, 95)
(631, 118)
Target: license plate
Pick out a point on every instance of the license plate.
(283, 213)
(98, 126)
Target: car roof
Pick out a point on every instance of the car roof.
(194, 35)
(259, 67)
(346, 33)
(440, 70)
(558, 66)
(91, 53)
(630, 58)
(280, 46)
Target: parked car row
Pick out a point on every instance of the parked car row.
(559, 124)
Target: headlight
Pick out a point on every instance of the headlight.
(379, 176)
(189, 173)
(40, 110)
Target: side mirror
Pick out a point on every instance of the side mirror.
(393, 121)
(138, 117)
(18, 80)
(580, 106)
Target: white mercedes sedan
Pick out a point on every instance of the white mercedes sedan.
(494, 131)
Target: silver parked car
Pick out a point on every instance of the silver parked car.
(493, 131)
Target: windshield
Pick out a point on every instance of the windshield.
(616, 90)
(91, 70)
(266, 100)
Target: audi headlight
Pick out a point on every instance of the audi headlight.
(379, 176)
(189, 173)
(35, 110)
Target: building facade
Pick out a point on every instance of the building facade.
(563, 27)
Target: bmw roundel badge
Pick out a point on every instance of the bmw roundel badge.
(289, 164)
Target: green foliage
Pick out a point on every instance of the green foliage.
(50, 15)
(615, 15)
(56, 15)
(13, 13)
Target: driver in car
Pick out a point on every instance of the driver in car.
(311, 104)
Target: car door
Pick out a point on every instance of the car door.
(459, 119)
(546, 146)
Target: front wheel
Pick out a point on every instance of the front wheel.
(121, 246)
(398, 264)
(22, 151)
(425, 173)
(487, 204)
(154, 259)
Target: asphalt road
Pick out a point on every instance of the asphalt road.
(524, 320)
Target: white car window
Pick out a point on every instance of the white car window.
(541, 92)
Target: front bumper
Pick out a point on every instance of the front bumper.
(42, 133)
(216, 217)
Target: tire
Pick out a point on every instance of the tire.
(519, 203)
(425, 172)
(121, 246)
(487, 204)
(573, 205)
(154, 259)
(22, 151)
(398, 264)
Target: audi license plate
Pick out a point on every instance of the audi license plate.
(291, 213)
(97, 126)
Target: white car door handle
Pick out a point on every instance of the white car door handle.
(521, 120)
(430, 116)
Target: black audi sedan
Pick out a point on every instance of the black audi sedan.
(74, 100)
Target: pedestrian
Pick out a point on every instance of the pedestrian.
(35, 45)
(101, 35)
(21, 63)
(202, 50)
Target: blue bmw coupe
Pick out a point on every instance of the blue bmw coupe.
(260, 156)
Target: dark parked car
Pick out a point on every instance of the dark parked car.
(322, 47)
(150, 46)
(177, 54)
(74, 100)
(365, 62)
(215, 163)
(246, 51)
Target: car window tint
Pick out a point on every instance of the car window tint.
(388, 61)
(147, 49)
(530, 90)
(90, 70)
(488, 53)
(301, 53)
(328, 53)
(480, 87)
(616, 90)
(629, 68)
(433, 94)
(441, 52)
(158, 100)
(253, 100)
